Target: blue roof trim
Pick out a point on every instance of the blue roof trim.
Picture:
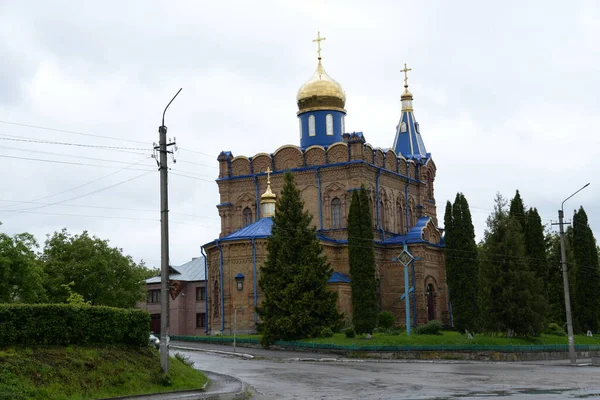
(239, 276)
(225, 204)
(316, 167)
(259, 229)
(338, 277)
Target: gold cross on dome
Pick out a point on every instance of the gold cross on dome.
(268, 171)
(405, 70)
(319, 39)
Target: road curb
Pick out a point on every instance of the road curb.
(229, 353)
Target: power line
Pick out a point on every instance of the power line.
(191, 177)
(71, 132)
(31, 140)
(104, 207)
(88, 183)
(16, 212)
(62, 154)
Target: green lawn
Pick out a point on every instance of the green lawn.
(85, 372)
(446, 338)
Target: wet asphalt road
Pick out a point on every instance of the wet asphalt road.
(273, 378)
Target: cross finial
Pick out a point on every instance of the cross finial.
(405, 70)
(268, 171)
(319, 39)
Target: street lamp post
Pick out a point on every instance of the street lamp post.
(563, 258)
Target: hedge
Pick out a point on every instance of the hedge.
(65, 324)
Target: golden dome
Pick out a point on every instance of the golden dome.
(321, 92)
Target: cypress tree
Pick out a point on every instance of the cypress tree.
(586, 304)
(293, 280)
(462, 265)
(555, 286)
(361, 256)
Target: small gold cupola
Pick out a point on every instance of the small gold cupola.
(407, 96)
(268, 199)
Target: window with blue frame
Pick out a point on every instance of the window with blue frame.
(329, 124)
(336, 213)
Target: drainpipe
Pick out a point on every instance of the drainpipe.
(320, 199)
(206, 290)
(414, 294)
(221, 285)
(377, 200)
(254, 278)
(257, 199)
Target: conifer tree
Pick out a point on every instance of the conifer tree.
(586, 304)
(555, 286)
(462, 265)
(512, 299)
(293, 280)
(362, 263)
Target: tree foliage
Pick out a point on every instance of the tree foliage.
(511, 293)
(293, 279)
(361, 256)
(462, 263)
(101, 274)
(586, 301)
(21, 273)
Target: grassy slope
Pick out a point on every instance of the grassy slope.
(85, 372)
(447, 338)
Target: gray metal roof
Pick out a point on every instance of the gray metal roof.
(189, 272)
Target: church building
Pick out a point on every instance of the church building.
(329, 164)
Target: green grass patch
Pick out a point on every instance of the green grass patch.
(450, 338)
(86, 372)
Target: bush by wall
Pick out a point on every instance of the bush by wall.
(433, 327)
(65, 324)
(386, 320)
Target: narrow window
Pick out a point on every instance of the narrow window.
(200, 293)
(247, 216)
(342, 125)
(381, 215)
(336, 213)
(409, 222)
(401, 220)
(299, 120)
(329, 121)
(311, 125)
(200, 320)
(403, 127)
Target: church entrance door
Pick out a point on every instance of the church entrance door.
(430, 303)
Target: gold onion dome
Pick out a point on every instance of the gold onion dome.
(268, 195)
(321, 92)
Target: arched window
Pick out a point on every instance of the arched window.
(329, 123)
(403, 127)
(311, 125)
(336, 213)
(430, 186)
(299, 120)
(216, 299)
(409, 220)
(342, 125)
(247, 216)
(382, 215)
(430, 294)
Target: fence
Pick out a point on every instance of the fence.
(405, 348)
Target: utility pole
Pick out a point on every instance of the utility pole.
(164, 240)
(563, 261)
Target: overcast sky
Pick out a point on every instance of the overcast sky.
(506, 95)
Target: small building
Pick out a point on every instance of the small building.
(187, 306)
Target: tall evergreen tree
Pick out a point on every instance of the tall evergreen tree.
(555, 286)
(462, 264)
(517, 210)
(535, 245)
(512, 299)
(362, 263)
(586, 307)
(293, 280)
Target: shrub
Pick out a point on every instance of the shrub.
(350, 333)
(394, 331)
(554, 330)
(431, 328)
(326, 332)
(65, 324)
(386, 320)
(184, 359)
